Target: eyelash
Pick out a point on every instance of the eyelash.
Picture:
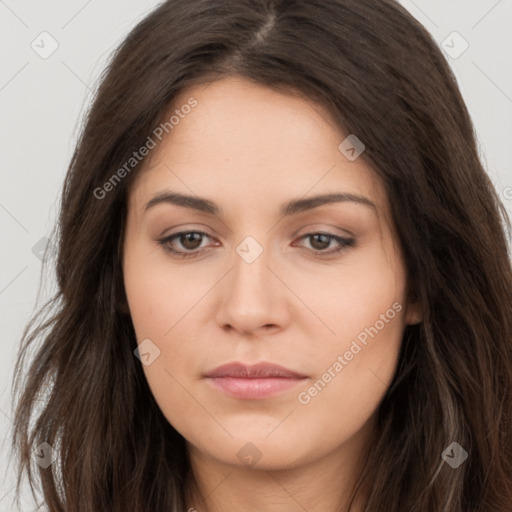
(345, 243)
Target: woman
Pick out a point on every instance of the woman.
(339, 339)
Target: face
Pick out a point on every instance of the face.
(251, 269)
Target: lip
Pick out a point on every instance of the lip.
(258, 381)
(259, 370)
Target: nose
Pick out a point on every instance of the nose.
(253, 298)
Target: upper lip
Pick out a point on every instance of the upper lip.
(253, 371)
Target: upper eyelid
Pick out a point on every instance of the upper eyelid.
(175, 236)
(328, 230)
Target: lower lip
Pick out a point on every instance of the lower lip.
(254, 389)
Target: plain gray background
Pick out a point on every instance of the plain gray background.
(44, 97)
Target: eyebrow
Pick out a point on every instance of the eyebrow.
(290, 208)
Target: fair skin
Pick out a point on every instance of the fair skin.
(249, 150)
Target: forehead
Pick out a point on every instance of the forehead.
(235, 117)
(245, 141)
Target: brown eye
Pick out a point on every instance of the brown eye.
(319, 242)
(188, 242)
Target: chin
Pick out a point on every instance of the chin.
(257, 451)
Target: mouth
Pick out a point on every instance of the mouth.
(253, 382)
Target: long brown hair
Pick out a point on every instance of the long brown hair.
(382, 77)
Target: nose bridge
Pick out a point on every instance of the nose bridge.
(250, 298)
(250, 265)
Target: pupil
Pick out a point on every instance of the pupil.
(326, 241)
(189, 237)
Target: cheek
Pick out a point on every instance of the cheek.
(353, 375)
(161, 307)
(352, 295)
(355, 364)
(158, 295)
